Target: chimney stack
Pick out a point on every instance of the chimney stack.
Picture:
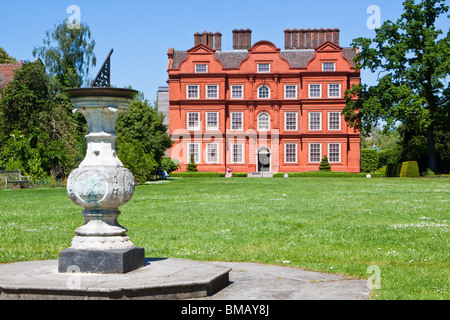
(329, 34)
(309, 39)
(315, 37)
(242, 39)
(287, 39)
(213, 41)
(295, 39)
(218, 41)
(301, 38)
(197, 38)
(321, 36)
(336, 36)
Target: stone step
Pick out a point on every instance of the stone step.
(260, 175)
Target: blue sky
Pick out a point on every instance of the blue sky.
(141, 31)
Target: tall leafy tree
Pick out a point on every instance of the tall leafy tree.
(412, 58)
(142, 138)
(37, 132)
(6, 58)
(68, 54)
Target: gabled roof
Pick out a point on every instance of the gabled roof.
(296, 58)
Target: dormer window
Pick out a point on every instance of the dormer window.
(263, 67)
(201, 68)
(328, 66)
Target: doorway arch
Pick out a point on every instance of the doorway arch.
(264, 159)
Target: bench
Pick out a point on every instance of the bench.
(14, 177)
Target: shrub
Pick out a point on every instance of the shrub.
(340, 174)
(133, 157)
(382, 171)
(388, 156)
(324, 164)
(204, 174)
(169, 165)
(369, 160)
(409, 169)
(192, 167)
(393, 169)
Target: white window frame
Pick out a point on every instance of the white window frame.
(208, 151)
(286, 155)
(310, 121)
(329, 63)
(286, 93)
(197, 153)
(197, 96)
(207, 127)
(232, 92)
(329, 90)
(232, 121)
(309, 152)
(286, 123)
(198, 67)
(263, 67)
(309, 90)
(207, 91)
(242, 153)
(330, 157)
(259, 92)
(268, 121)
(193, 128)
(338, 119)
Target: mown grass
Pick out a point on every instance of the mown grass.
(324, 224)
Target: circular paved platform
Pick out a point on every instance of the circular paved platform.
(158, 279)
(178, 279)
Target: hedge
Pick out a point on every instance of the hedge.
(324, 174)
(275, 175)
(369, 160)
(408, 169)
(204, 174)
(393, 169)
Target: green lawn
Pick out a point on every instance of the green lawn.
(337, 225)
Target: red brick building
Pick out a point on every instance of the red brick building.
(7, 73)
(258, 108)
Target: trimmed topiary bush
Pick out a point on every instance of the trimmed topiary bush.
(393, 169)
(324, 164)
(192, 167)
(409, 169)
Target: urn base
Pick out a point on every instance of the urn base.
(101, 261)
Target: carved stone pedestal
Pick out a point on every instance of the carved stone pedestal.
(101, 185)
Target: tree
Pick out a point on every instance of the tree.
(24, 105)
(192, 166)
(324, 164)
(413, 61)
(37, 133)
(142, 132)
(68, 54)
(6, 58)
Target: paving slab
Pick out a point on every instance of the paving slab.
(158, 279)
(255, 281)
(178, 279)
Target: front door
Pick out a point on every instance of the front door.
(264, 160)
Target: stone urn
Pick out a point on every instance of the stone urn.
(101, 184)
